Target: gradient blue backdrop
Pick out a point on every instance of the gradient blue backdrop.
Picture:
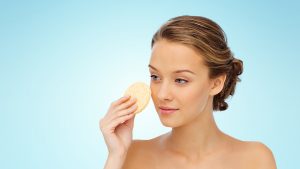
(63, 62)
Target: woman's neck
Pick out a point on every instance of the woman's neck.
(195, 139)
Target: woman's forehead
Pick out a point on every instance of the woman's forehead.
(174, 56)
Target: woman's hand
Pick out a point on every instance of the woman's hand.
(117, 125)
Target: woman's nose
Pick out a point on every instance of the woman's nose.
(164, 92)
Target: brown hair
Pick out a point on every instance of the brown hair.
(207, 38)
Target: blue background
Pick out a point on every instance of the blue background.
(63, 62)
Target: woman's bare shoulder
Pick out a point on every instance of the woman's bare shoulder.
(261, 154)
(140, 153)
(253, 154)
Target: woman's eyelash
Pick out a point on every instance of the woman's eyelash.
(181, 81)
(154, 77)
(178, 80)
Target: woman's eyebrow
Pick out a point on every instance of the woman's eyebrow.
(184, 70)
(177, 71)
(152, 67)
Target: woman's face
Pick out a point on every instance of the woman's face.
(179, 83)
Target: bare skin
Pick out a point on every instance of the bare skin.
(193, 147)
(234, 154)
(179, 81)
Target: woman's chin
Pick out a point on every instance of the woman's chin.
(169, 123)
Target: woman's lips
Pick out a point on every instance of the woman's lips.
(166, 110)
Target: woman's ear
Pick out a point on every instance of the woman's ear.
(217, 85)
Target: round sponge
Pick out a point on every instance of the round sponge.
(141, 92)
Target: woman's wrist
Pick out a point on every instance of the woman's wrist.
(115, 160)
(117, 155)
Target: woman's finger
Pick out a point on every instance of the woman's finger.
(119, 101)
(116, 103)
(116, 122)
(106, 121)
(121, 109)
(126, 104)
(124, 112)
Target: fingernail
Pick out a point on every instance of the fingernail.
(126, 96)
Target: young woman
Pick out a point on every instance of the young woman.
(192, 72)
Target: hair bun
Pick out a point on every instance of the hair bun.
(237, 67)
(222, 105)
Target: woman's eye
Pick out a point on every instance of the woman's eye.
(181, 81)
(154, 77)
